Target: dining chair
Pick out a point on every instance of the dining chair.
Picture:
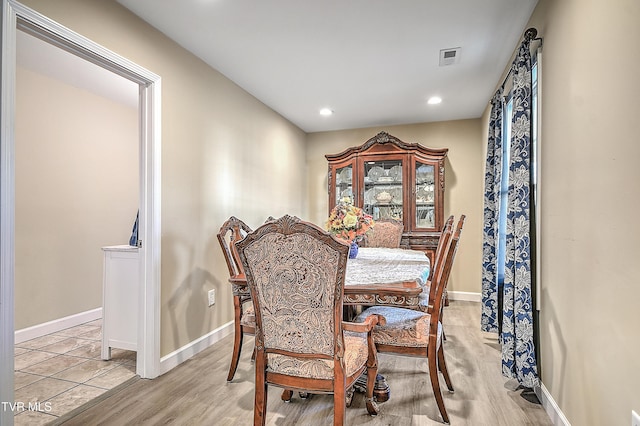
(385, 233)
(295, 273)
(416, 333)
(231, 231)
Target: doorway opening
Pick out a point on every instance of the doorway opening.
(16, 17)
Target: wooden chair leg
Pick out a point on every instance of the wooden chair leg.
(349, 396)
(287, 394)
(442, 365)
(339, 406)
(372, 371)
(435, 384)
(260, 402)
(237, 347)
(372, 375)
(372, 405)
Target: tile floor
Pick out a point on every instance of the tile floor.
(59, 372)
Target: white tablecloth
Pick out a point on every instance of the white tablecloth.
(387, 266)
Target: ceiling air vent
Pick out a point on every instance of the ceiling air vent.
(449, 56)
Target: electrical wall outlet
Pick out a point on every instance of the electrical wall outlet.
(212, 299)
(635, 418)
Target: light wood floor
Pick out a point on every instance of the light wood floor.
(196, 392)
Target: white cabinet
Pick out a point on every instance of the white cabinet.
(120, 293)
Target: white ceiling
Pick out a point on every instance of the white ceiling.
(40, 56)
(373, 62)
(44, 58)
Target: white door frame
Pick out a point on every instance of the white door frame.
(17, 16)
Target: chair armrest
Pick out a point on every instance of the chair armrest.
(239, 286)
(366, 326)
(240, 279)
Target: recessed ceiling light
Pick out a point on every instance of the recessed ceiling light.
(434, 100)
(326, 112)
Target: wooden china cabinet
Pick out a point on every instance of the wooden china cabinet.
(389, 178)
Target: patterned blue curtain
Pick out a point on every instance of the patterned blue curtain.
(492, 180)
(518, 349)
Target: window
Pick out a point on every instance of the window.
(504, 184)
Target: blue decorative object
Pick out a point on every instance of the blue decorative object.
(353, 250)
(133, 240)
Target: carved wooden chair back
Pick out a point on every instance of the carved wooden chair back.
(385, 233)
(447, 260)
(439, 294)
(232, 231)
(441, 244)
(456, 238)
(295, 272)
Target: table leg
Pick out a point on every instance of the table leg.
(381, 389)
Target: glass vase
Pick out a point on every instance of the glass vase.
(353, 250)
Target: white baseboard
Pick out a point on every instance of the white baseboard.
(179, 356)
(464, 296)
(56, 325)
(549, 404)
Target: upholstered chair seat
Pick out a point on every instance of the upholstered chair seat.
(404, 327)
(355, 355)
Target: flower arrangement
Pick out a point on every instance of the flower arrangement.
(348, 222)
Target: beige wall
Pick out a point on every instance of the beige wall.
(76, 191)
(590, 339)
(463, 181)
(223, 153)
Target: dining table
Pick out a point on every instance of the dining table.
(387, 276)
(379, 276)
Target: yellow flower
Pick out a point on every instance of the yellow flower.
(350, 220)
(347, 221)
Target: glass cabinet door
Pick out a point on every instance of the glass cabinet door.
(425, 195)
(344, 183)
(383, 189)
